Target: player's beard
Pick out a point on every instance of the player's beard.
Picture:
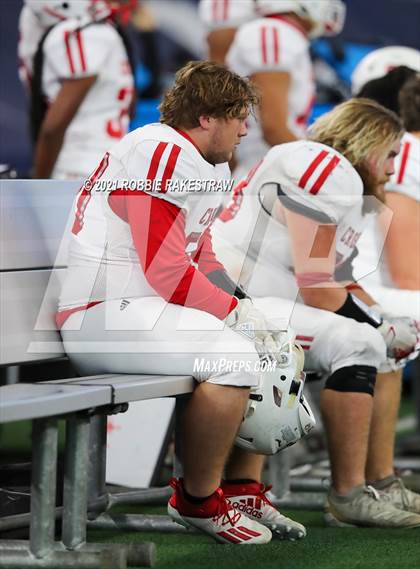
(371, 187)
(215, 156)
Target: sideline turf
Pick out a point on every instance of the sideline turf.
(323, 548)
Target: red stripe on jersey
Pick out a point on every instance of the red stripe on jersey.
(68, 51)
(276, 44)
(81, 52)
(312, 167)
(155, 161)
(305, 347)
(324, 175)
(214, 10)
(305, 338)
(170, 166)
(404, 158)
(264, 44)
(303, 119)
(225, 9)
(229, 537)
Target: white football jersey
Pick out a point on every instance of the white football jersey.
(107, 241)
(274, 44)
(372, 262)
(73, 52)
(216, 14)
(306, 177)
(406, 179)
(30, 34)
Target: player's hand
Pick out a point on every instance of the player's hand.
(250, 322)
(401, 335)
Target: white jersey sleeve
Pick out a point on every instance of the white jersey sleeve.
(217, 14)
(30, 34)
(75, 52)
(406, 180)
(267, 44)
(313, 180)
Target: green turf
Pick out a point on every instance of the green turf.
(323, 548)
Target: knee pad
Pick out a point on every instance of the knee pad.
(353, 379)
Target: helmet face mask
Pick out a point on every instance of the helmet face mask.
(278, 414)
(327, 16)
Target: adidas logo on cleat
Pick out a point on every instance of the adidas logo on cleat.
(247, 509)
(124, 304)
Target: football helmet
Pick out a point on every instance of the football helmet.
(50, 12)
(327, 16)
(378, 62)
(278, 414)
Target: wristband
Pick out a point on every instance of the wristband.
(359, 311)
(222, 280)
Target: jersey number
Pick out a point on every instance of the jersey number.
(85, 194)
(115, 127)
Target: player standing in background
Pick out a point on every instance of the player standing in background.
(31, 29)
(221, 19)
(144, 285)
(273, 50)
(82, 84)
(309, 201)
(403, 196)
(396, 281)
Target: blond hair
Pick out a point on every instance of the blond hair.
(204, 88)
(358, 128)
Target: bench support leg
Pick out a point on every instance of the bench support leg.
(43, 486)
(75, 481)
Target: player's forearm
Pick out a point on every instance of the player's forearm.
(46, 153)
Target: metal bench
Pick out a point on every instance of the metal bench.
(32, 262)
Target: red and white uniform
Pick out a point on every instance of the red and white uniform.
(406, 180)
(274, 44)
(317, 182)
(371, 264)
(139, 258)
(72, 51)
(216, 14)
(30, 34)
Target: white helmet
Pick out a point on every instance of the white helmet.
(50, 12)
(377, 64)
(278, 414)
(327, 15)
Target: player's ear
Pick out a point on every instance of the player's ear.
(206, 122)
